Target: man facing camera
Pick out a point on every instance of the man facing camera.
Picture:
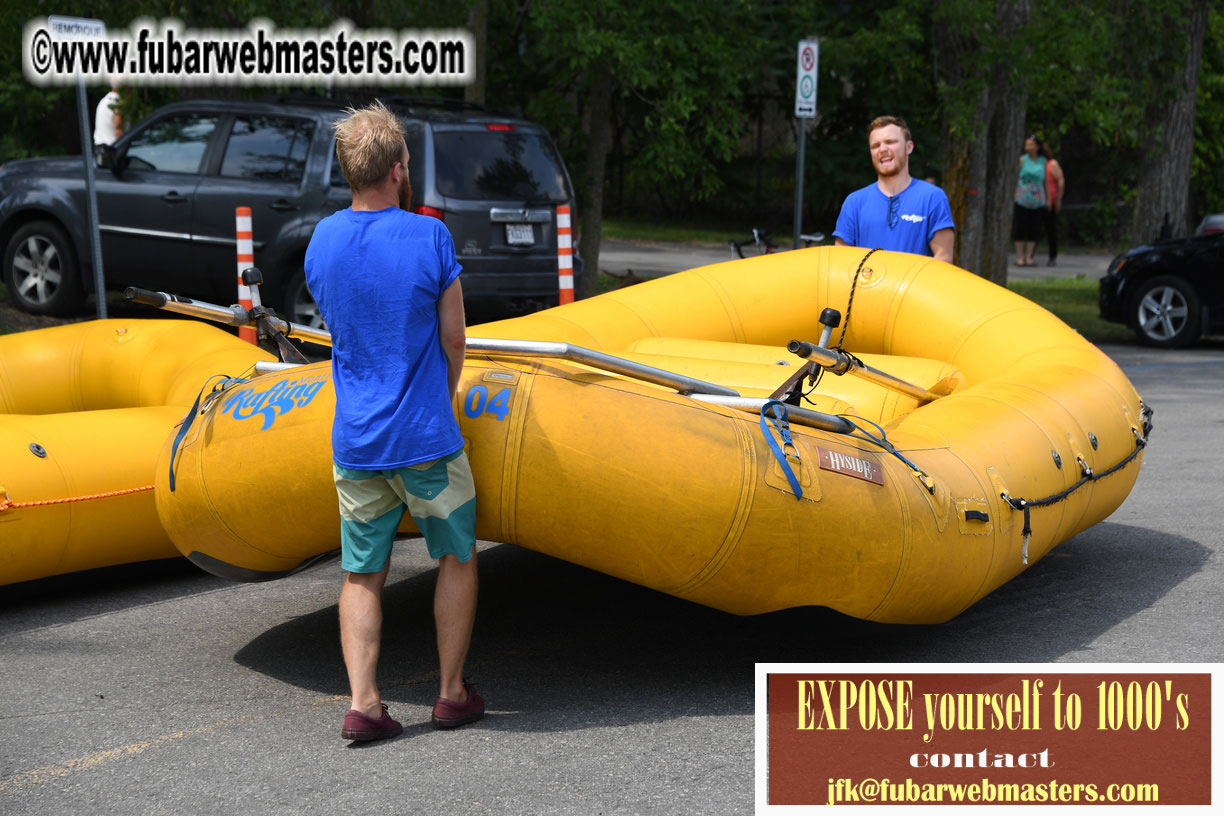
(897, 213)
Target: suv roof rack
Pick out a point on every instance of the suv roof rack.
(392, 100)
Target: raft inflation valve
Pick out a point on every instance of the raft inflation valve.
(830, 319)
(38, 450)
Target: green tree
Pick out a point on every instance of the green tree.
(985, 99)
(665, 80)
(1207, 171)
(1162, 202)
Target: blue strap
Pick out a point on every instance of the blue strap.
(777, 417)
(888, 447)
(191, 415)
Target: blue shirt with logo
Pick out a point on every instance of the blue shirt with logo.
(918, 212)
(377, 277)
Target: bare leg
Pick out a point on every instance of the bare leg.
(360, 636)
(454, 615)
(1019, 253)
(1029, 248)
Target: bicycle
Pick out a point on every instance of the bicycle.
(762, 244)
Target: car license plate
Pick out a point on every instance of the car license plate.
(520, 235)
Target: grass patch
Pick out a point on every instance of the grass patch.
(1076, 302)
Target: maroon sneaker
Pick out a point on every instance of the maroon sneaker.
(449, 714)
(358, 726)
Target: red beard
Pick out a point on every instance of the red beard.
(405, 193)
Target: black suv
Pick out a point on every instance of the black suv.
(167, 192)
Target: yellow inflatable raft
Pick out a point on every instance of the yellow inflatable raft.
(625, 433)
(85, 409)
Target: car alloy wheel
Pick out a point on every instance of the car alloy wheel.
(306, 311)
(37, 273)
(1166, 312)
(40, 272)
(300, 306)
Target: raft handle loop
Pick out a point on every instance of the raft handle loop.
(1027, 532)
(206, 395)
(888, 447)
(774, 413)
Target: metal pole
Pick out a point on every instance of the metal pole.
(238, 316)
(597, 359)
(796, 414)
(802, 136)
(840, 363)
(91, 198)
(226, 315)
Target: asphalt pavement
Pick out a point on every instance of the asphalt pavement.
(159, 689)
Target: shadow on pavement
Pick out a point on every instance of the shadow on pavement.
(559, 647)
(66, 598)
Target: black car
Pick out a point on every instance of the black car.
(1170, 293)
(167, 193)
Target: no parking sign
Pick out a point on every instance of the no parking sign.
(805, 80)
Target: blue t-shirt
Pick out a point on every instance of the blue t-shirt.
(919, 211)
(377, 277)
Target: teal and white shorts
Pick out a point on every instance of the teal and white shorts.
(439, 495)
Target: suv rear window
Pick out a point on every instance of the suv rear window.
(498, 164)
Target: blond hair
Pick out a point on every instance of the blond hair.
(369, 142)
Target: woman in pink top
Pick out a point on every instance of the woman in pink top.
(1030, 202)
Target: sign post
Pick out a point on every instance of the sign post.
(805, 108)
(68, 29)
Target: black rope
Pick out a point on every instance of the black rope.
(850, 304)
(1087, 477)
(814, 381)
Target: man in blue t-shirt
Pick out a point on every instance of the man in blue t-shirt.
(898, 212)
(387, 284)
